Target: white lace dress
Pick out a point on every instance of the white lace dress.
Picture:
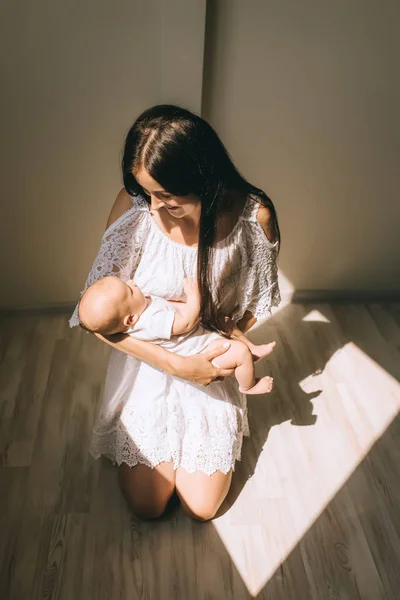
(148, 416)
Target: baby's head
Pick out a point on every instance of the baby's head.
(111, 306)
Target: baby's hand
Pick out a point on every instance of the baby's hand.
(191, 286)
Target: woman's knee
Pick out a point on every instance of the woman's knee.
(147, 491)
(202, 495)
(146, 510)
(198, 511)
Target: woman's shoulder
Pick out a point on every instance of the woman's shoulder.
(244, 213)
(256, 212)
(265, 220)
(122, 204)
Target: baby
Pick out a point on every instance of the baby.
(113, 306)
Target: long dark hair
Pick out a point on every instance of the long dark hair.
(183, 153)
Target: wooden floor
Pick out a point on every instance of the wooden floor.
(314, 510)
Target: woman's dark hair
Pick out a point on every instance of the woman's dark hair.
(182, 152)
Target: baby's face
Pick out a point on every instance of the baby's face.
(111, 306)
(133, 301)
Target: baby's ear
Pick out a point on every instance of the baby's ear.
(130, 320)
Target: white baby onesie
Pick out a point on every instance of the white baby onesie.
(155, 325)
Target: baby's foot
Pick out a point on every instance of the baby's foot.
(262, 385)
(259, 352)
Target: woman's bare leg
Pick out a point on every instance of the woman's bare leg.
(201, 495)
(147, 490)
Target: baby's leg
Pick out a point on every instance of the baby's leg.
(239, 357)
(260, 351)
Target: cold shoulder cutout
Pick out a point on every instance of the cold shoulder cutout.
(245, 263)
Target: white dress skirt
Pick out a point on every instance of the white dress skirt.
(146, 415)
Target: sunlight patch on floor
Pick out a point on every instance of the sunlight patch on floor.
(300, 469)
(315, 315)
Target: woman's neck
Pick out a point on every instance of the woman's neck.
(192, 221)
(185, 230)
(189, 224)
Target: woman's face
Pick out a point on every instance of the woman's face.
(177, 206)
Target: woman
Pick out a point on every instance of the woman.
(169, 422)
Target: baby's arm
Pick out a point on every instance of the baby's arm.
(187, 314)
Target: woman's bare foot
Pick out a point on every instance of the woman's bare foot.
(263, 385)
(259, 352)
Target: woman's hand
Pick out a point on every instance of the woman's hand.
(199, 368)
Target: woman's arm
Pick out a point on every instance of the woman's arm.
(238, 329)
(123, 202)
(264, 218)
(197, 368)
(246, 322)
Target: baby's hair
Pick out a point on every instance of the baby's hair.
(108, 328)
(81, 325)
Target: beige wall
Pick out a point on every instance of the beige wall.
(74, 76)
(304, 94)
(306, 97)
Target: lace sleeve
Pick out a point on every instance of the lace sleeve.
(120, 249)
(258, 291)
(261, 287)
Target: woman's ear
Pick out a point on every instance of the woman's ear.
(130, 320)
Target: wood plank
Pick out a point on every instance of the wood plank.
(13, 484)
(313, 510)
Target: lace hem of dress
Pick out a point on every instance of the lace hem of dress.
(118, 447)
